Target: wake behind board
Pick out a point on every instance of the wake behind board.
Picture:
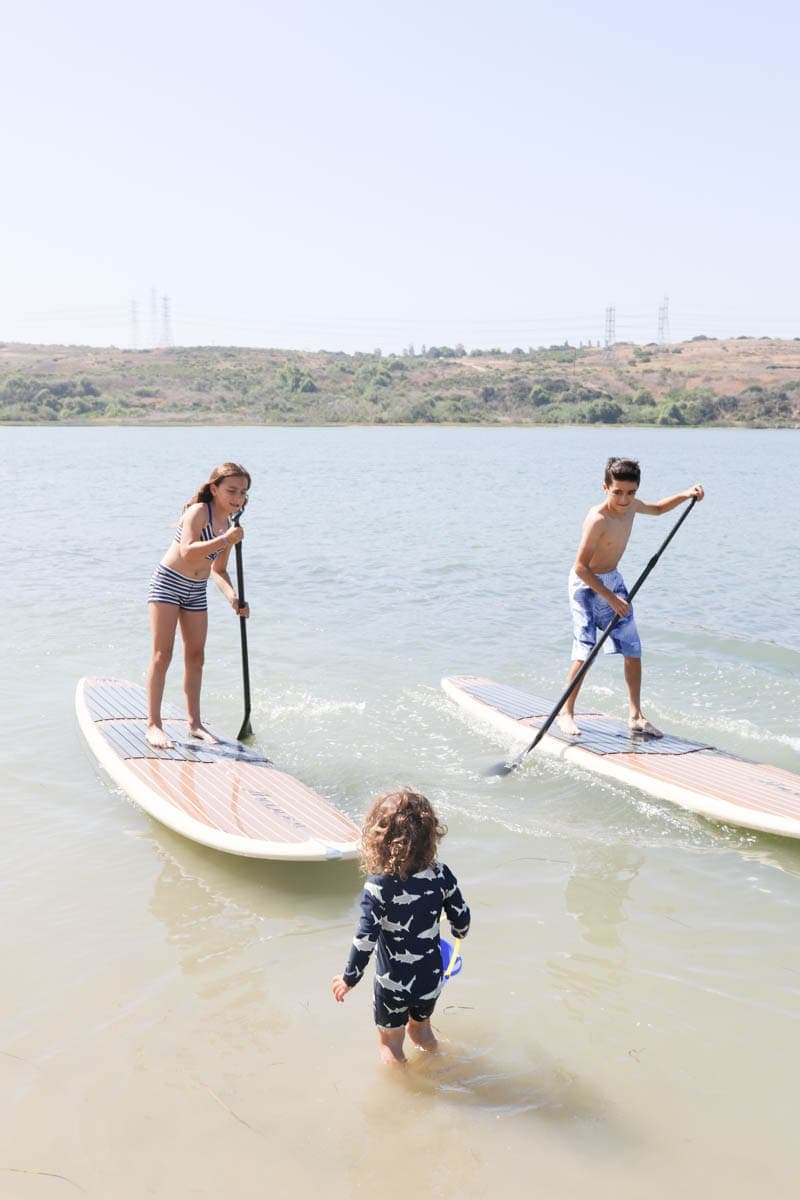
(225, 795)
(697, 777)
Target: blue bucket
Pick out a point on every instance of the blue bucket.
(448, 970)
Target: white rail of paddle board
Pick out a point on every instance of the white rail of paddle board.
(780, 789)
(288, 800)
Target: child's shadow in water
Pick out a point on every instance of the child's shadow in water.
(508, 1080)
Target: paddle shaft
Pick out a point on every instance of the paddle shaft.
(603, 636)
(246, 730)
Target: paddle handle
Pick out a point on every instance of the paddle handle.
(603, 636)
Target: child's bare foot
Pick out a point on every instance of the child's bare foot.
(155, 737)
(391, 1047)
(566, 723)
(199, 733)
(391, 1057)
(422, 1035)
(642, 725)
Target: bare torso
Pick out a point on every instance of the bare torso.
(605, 538)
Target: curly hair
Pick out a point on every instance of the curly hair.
(400, 836)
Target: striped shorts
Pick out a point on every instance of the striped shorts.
(170, 587)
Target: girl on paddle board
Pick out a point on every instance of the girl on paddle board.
(404, 894)
(177, 596)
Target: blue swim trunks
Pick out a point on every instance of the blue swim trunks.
(591, 615)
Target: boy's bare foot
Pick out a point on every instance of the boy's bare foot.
(199, 734)
(566, 723)
(642, 725)
(155, 737)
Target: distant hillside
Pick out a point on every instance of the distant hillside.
(738, 382)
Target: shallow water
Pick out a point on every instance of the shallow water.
(626, 1019)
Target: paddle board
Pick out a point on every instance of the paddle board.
(224, 795)
(695, 776)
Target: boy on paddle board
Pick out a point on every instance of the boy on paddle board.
(597, 590)
(401, 905)
(177, 595)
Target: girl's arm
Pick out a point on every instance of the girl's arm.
(192, 549)
(222, 579)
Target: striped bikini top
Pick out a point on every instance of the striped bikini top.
(206, 534)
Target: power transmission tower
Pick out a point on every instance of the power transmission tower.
(663, 322)
(153, 317)
(611, 329)
(166, 327)
(134, 325)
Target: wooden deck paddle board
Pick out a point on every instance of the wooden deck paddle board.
(225, 795)
(697, 777)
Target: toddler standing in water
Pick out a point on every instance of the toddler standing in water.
(404, 894)
(177, 593)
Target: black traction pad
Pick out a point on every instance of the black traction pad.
(599, 734)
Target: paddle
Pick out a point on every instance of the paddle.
(247, 730)
(506, 768)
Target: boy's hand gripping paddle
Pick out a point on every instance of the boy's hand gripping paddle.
(506, 767)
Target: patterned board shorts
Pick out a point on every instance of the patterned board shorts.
(170, 587)
(392, 1010)
(591, 615)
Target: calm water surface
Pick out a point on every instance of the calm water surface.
(626, 1023)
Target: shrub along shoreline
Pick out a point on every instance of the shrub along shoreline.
(744, 382)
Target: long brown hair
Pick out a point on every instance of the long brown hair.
(401, 834)
(223, 471)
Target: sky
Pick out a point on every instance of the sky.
(357, 176)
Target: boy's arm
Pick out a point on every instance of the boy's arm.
(664, 506)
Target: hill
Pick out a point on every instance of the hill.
(753, 382)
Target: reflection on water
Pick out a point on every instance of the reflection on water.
(506, 1081)
(596, 893)
(273, 891)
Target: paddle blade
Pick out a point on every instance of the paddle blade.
(500, 769)
(245, 734)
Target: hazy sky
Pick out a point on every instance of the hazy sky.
(361, 175)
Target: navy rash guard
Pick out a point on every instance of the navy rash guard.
(400, 917)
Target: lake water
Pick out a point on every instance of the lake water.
(626, 1022)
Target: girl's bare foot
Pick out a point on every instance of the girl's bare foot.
(155, 737)
(199, 734)
(566, 723)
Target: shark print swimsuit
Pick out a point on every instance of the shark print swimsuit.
(400, 919)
